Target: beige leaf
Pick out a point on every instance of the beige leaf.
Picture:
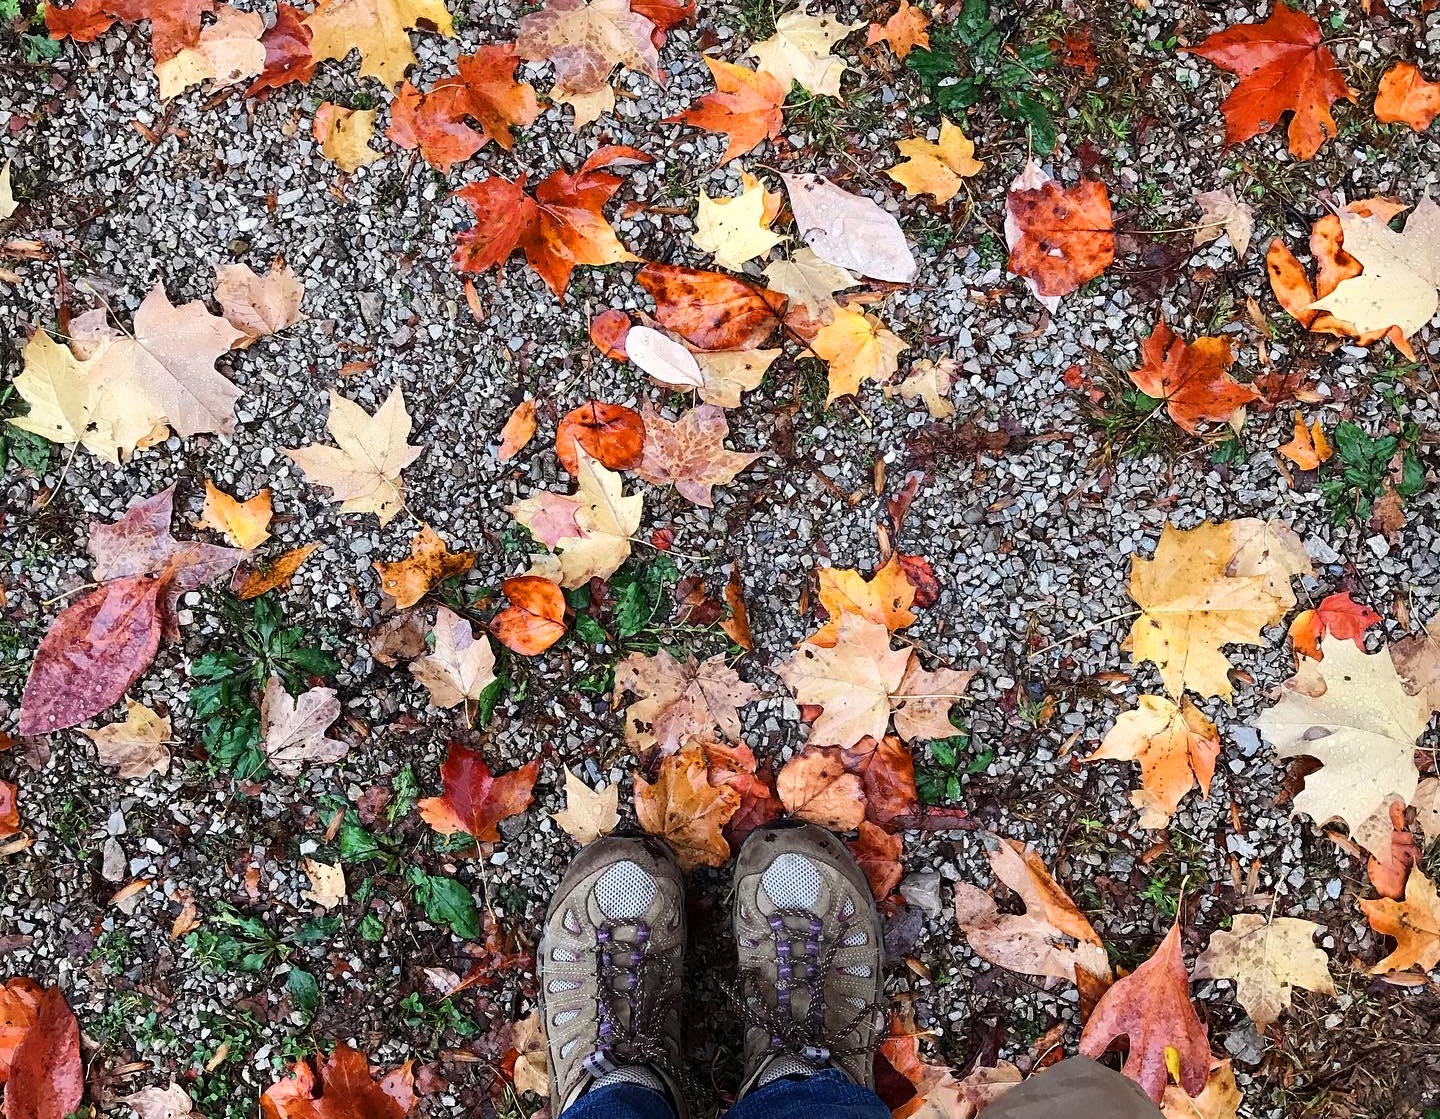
(690, 453)
(461, 667)
(605, 520)
(1427, 808)
(1224, 215)
(136, 745)
(799, 51)
(1417, 659)
(364, 468)
(344, 136)
(1351, 712)
(588, 814)
(244, 523)
(852, 682)
(8, 205)
(663, 359)
(1219, 1099)
(327, 883)
(1272, 550)
(733, 229)
(258, 306)
(1266, 959)
(63, 401)
(810, 282)
(1402, 272)
(679, 700)
(294, 729)
(532, 1066)
(160, 1103)
(728, 373)
(921, 705)
(929, 381)
(229, 51)
(586, 40)
(848, 230)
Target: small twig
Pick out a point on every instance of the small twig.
(1087, 629)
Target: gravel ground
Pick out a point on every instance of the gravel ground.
(1031, 535)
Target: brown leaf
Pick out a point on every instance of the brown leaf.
(1065, 236)
(679, 700)
(878, 855)
(137, 745)
(886, 768)
(294, 728)
(251, 582)
(474, 801)
(1389, 868)
(686, 810)
(814, 785)
(429, 563)
(710, 310)
(9, 809)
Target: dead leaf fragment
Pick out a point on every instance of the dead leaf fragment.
(1414, 923)
(1266, 958)
(588, 814)
(294, 728)
(137, 745)
(258, 306)
(244, 523)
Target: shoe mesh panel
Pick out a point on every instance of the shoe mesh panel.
(631, 1074)
(625, 891)
(792, 882)
(786, 1065)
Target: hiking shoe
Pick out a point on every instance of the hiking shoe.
(811, 961)
(610, 968)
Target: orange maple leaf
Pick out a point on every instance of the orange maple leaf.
(342, 1088)
(429, 563)
(1284, 66)
(1192, 378)
(1309, 447)
(558, 229)
(174, 24)
(1066, 234)
(1414, 923)
(484, 90)
(907, 29)
(1338, 615)
(686, 810)
(815, 785)
(710, 310)
(747, 106)
(474, 800)
(885, 597)
(1406, 97)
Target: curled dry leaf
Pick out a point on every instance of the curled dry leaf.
(1224, 215)
(683, 808)
(1266, 958)
(535, 618)
(588, 813)
(1308, 448)
(294, 728)
(1151, 1008)
(258, 306)
(519, 429)
(612, 434)
(679, 700)
(1388, 866)
(474, 801)
(1176, 747)
(343, 1087)
(532, 1067)
(251, 583)
(690, 453)
(462, 665)
(930, 382)
(428, 565)
(244, 523)
(137, 745)
(815, 785)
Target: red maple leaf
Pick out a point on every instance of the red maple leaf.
(558, 229)
(1066, 234)
(1284, 66)
(710, 310)
(1192, 378)
(342, 1088)
(1340, 616)
(43, 1076)
(287, 52)
(474, 800)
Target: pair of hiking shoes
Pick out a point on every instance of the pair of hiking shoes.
(612, 964)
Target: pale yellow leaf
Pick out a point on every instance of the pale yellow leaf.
(1266, 958)
(857, 347)
(799, 51)
(462, 665)
(732, 228)
(137, 745)
(588, 814)
(344, 136)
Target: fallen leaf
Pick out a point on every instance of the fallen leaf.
(532, 1064)
(588, 814)
(341, 1088)
(1417, 659)
(1309, 447)
(1414, 923)
(679, 700)
(484, 90)
(1397, 287)
(690, 453)
(683, 808)
(258, 306)
(906, 29)
(400, 637)
(519, 429)
(1349, 711)
(45, 1078)
(174, 24)
(377, 29)
(1406, 97)
(475, 801)
(244, 523)
(294, 728)
(287, 51)
(1338, 615)
(1176, 748)
(931, 382)
(344, 136)
(1272, 550)
(799, 51)
(9, 825)
(1427, 808)
(810, 282)
(1059, 237)
(428, 565)
(227, 52)
(603, 519)
(363, 469)
(1388, 867)
(1190, 607)
(921, 706)
(856, 347)
(884, 598)
(558, 229)
(1224, 215)
(1219, 1099)
(249, 584)
(1266, 958)
(172, 1102)
(327, 883)
(1151, 1007)
(68, 406)
(1284, 66)
(886, 769)
(535, 618)
(936, 169)
(612, 434)
(1191, 378)
(852, 681)
(734, 230)
(8, 205)
(814, 785)
(848, 230)
(878, 856)
(747, 107)
(585, 40)
(709, 310)
(137, 745)
(462, 665)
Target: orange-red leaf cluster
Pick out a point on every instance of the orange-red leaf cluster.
(475, 801)
(484, 90)
(341, 1088)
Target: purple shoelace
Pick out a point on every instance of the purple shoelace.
(620, 1033)
(787, 939)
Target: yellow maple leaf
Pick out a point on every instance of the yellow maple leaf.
(734, 229)
(344, 136)
(936, 169)
(799, 51)
(244, 523)
(1176, 748)
(857, 347)
(378, 29)
(885, 597)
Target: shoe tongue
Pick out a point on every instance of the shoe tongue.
(625, 891)
(792, 882)
(784, 1065)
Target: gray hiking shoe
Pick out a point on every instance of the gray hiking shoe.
(611, 960)
(811, 960)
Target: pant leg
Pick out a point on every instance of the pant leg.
(1077, 1088)
(826, 1095)
(620, 1101)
